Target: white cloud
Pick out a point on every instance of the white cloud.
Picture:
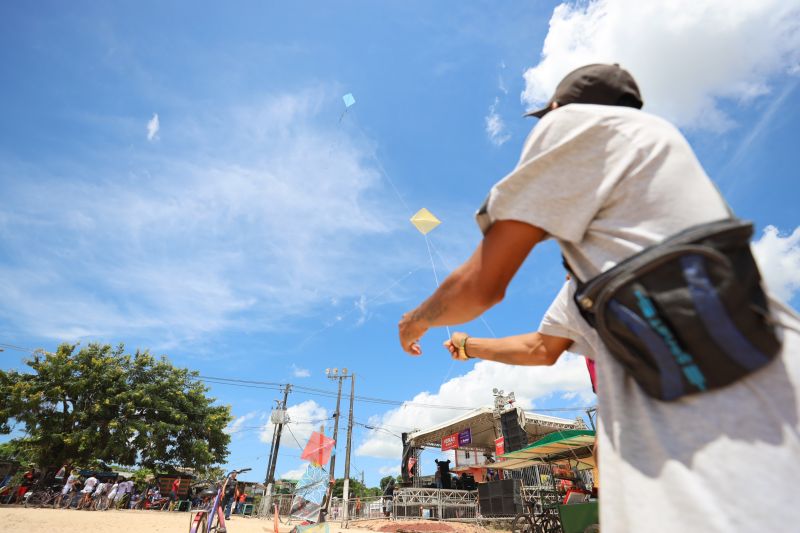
(237, 425)
(361, 306)
(304, 418)
(297, 473)
(495, 127)
(778, 258)
(259, 222)
(473, 389)
(300, 372)
(390, 470)
(152, 128)
(685, 54)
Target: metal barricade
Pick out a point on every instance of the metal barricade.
(267, 505)
(366, 508)
(412, 503)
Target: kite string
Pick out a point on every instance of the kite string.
(435, 274)
(447, 266)
(377, 160)
(436, 277)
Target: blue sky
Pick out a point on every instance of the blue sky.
(182, 178)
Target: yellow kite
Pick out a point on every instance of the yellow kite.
(424, 221)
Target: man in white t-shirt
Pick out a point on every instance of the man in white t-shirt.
(86, 493)
(607, 180)
(71, 480)
(122, 491)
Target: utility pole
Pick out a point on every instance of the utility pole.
(271, 447)
(334, 374)
(281, 419)
(346, 493)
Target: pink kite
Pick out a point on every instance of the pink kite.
(318, 450)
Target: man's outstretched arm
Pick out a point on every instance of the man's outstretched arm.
(529, 349)
(476, 285)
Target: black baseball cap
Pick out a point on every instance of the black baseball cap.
(595, 84)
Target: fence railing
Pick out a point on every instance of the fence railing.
(440, 504)
(267, 507)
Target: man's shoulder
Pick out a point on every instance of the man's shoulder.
(608, 117)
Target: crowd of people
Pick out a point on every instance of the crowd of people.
(117, 492)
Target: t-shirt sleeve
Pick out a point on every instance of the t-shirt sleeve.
(569, 165)
(558, 318)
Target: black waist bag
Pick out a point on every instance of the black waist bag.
(685, 316)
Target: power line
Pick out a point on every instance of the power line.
(366, 399)
(312, 391)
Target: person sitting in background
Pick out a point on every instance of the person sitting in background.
(88, 489)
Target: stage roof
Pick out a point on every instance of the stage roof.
(482, 425)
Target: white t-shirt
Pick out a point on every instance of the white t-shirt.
(606, 182)
(562, 319)
(113, 491)
(69, 484)
(90, 484)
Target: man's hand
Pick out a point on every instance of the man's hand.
(453, 343)
(411, 331)
(476, 285)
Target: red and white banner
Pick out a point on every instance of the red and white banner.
(450, 442)
(499, 446)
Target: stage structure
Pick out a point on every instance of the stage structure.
(476, 439)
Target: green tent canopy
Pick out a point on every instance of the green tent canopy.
(574, 444)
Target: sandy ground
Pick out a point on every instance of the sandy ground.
(17, 519)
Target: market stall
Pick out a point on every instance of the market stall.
(563, 458)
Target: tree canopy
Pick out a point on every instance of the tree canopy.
(102, 404)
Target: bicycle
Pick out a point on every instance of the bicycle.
(539, 518)
(65, 501)
(42, 498)
(213, 519)
(101, 503)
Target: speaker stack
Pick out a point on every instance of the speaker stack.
(514, 435)
(500, 498)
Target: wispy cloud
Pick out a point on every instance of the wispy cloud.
(389, 470)
(686, 54)
(296, 473)
(153, 126)
(778, 259)
(261, 218)
(473, 389)
(495, 127)
(236, 426)
(300, 372)
(361, 305)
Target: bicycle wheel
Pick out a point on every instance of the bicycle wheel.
(198, 522)
(549, 524)
(522, 524)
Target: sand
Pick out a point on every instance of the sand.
(17, 519)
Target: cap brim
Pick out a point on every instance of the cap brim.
(539, 113)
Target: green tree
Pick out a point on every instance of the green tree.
(100, 403)
(357, 489)
(385, 481)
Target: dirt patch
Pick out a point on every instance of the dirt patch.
(419, 526)
(416, 527)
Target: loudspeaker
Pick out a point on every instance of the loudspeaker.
(514, 434)
(500, 498)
